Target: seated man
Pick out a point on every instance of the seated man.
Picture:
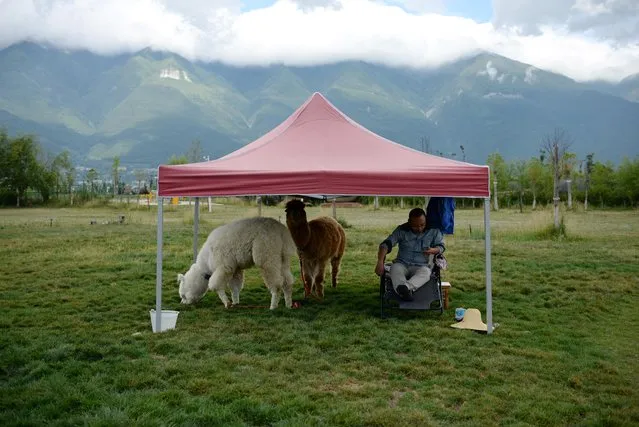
(414, 263)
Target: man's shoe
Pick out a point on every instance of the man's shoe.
(404, 293)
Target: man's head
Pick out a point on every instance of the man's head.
(417, 220)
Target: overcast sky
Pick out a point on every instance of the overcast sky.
(583, 39)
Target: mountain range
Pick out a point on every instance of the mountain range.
(149, 105)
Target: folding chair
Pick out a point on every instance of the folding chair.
(427, 297)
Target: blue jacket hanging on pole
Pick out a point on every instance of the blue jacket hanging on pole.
(440, 213)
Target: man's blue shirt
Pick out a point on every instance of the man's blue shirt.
(412, 245)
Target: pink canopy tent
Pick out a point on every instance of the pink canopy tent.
(319, 150)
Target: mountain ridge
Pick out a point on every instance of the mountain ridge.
(123, 105)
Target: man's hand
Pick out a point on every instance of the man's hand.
(379, 268)
(381, 256)
(431, 251)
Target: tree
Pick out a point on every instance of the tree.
(535, 172)
(64, 172)
(425, 144)
(45, 178)
(498, 174)
(178, 160)
(115, 174)
(23, 166)
(4, 158)
(588, 173)
(555, 145)
(602, 181)
(628, 180)
(19, 163)
(520, 180)
(194, 154)
(140, 175)
(569, 161)
(91, 178)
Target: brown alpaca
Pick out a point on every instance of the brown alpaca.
(317, 241)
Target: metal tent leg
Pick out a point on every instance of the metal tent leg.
(489, 278)
(196, 225)
(158, 267)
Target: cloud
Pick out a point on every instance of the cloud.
(421, 6)
(608, 19)
(307, 5)
(360, 30)
(197, 12)
(309, 32)
(573, 55)
(102, 27)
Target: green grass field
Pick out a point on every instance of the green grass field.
(76, 346)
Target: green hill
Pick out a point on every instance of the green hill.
(144, 107)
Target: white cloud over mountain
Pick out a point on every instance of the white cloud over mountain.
(610, 19)
(583, 39)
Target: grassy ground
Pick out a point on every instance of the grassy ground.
(76, 345)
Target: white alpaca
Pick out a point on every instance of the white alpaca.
(236, 246)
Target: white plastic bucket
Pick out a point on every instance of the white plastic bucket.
(169, 318)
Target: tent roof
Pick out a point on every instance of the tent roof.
(320, 150)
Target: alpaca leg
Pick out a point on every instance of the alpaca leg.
(273, 280)
(218, 282)
(287, 287)
(305, 278)
(236, 283)
(336, 261)
(319, 280)
(275, 299)
(309, 278)
(335, 265)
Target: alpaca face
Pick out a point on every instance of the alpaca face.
(295, 211)
(296, 216)
(193, 286)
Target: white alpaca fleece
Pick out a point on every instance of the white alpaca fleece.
(234, 247)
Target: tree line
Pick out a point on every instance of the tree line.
(30, 174)
(554, 173)
(25, 166)
(557, 173)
